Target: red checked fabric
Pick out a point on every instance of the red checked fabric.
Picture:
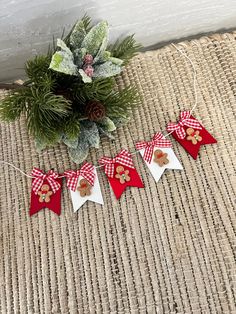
(192, 149)
(124, 158)
(158, 140)
(185, 120)
(40, 177)
(86, 171)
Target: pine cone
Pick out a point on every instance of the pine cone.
(95, 110)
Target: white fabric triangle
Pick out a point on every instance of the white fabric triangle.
(96, 194)
(156, 170)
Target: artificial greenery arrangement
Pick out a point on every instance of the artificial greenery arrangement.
(71, 94)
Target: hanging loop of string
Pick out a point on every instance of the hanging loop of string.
(194, 81)
(194, 77)
(135, 151)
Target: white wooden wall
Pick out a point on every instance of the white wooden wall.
(27, 26)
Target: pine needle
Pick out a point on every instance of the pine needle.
(71, 126)
(99, 89)
(13, 105)
(44, 114)
(37, 67)
(121, 103)
(125, 49)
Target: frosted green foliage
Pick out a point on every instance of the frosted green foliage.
(58, 58)
(72, 143)
(96, 40)
(84, 41)
(79, 56)
(104, 132)
(85, 77)
(116, 60)
(107, 124)
(90, 133)
(120, 121)
(105, 56)
(106, 69)
(89, 137)
(100, 55)
(63, 60)
(79, 154)
(78, 34)
(39, 145)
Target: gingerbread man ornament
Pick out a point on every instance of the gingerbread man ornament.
(193, 136)
(84, 188)
(122, 174)
(45, 194)
(160, 157)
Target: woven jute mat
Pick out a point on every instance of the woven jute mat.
(167, 248)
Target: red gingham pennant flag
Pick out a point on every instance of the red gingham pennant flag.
(158, 140)
(40, 176)
(124, 158)
(86, 171)
(180, 132)
(111, 165)
(53, 202)
(185, 120)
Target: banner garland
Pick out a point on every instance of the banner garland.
(158, 155)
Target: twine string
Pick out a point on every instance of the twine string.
(183, 54)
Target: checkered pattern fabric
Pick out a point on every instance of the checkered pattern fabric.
(158, 140)
(185, 119)
(124, 158)
(40, 177)
(86, 171)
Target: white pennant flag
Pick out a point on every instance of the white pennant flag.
(84, 185)
(167, 160)
(95, 196)
(158, 155)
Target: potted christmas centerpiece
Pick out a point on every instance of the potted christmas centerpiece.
(70, 95)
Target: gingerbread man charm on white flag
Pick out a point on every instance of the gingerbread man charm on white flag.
(84, 186)
(158, 155)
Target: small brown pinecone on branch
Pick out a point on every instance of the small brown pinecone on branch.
(95, 110)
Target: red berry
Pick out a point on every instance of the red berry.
(88, 59)
(88, 69)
